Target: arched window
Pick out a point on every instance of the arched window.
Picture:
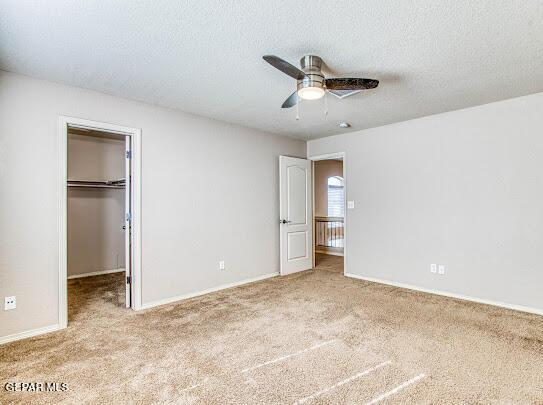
(336, 197)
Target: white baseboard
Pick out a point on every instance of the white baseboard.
(207, 291)
(29, 333)
(95, 273)
(515, 307)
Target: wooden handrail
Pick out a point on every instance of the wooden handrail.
(329, 219)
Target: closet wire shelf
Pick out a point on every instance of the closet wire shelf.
(120, 184)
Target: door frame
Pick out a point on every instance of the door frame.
(135, 134)
(329, 156)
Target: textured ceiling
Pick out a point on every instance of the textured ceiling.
(205, 57)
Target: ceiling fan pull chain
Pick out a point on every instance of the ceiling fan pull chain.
(298, 110)
(325, 106)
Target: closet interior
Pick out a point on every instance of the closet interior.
(98, 205)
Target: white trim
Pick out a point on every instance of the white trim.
(207, 291)
(29, 333)
(96, 273)
(515, 307)
(135, 134)
(137, 283)
(62, 223)
(329, 156)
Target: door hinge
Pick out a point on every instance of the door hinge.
(128, 154)
(128, 279)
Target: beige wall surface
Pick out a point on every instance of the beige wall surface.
(209, 193)
(95, 157)
(323, 170)
(463, 189)
(96, 240)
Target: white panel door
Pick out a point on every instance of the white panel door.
(295, 199)
(128, 222)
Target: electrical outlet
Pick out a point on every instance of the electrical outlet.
(441, 269)
(221, 265)
(10, 303)
(433, 268)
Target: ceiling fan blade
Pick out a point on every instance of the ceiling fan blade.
(350, 84)
(284, 67)
(291, 101)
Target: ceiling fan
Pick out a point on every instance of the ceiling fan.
(312, 84)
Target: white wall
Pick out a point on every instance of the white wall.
(322, 170)
(209, 192)
(464, 189)
(96, 239)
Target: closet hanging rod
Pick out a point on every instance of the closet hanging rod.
(119, 184)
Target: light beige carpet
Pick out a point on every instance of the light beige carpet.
(315, 338)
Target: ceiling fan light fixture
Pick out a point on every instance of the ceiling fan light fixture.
(311, 93)
(311, 82)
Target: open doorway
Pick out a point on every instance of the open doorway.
(329, 213)
(98, 231)
(100, 219)
(312, 216)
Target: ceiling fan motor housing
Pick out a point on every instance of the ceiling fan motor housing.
(311, 66)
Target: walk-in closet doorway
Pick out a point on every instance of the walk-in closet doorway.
(99, 221)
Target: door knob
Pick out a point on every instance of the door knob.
(284, 221)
